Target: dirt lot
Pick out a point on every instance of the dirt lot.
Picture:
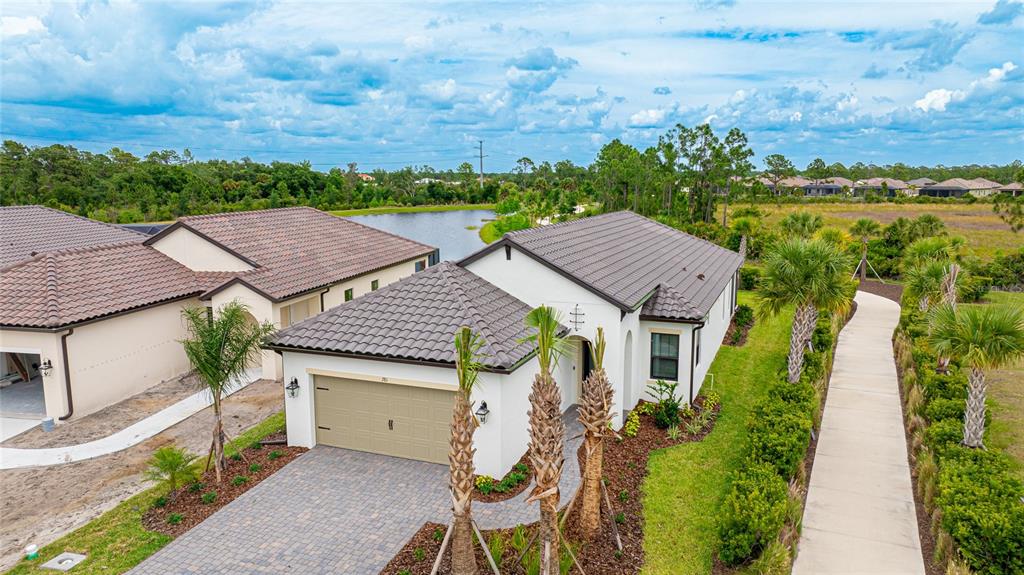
(41, 504)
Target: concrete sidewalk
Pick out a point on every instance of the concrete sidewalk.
(860, 515)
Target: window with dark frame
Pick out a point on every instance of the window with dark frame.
(374, 285)
(421, 265)
(665, 356)
(349, 295)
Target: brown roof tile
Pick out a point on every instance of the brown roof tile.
(70, 286)
(28, 230)
(624, 257)
(415, 319)
(301, 249)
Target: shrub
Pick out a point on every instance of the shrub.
(982, 511)
(255, 468)
(749, 277)
(160, 501)
(973, 288)
(485, 483)
(942, 408)
(419, 554)
(196, 486)
(620, 518)
(496, 544)
(822, 338)
(275, 454)
(209, 497)
(235, 456)
(175, 518)
(774, 560)
(944, 435)
(712, 400)
(948, 386)
(666, 411)
(673, 433)
(239, 480)
(744, 316)
(437, 535)
(779, 434)
(752, 515)
(632, 426)
(256, 445)
(814, 367)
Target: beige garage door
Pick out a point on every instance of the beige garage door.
(392, 419)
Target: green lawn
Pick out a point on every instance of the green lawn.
(1006, 397)
(408, 209)
(686, 484)
(115, 541)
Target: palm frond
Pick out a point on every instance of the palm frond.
(467, 358)
(983, 337)
(545, 322)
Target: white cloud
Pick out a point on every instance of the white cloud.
(441, 90)
(19, 25)
(938, 99)
(647, 118)
(796, 117)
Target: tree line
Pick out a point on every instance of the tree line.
(683, 177)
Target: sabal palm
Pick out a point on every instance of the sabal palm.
(595, 415)
(547, 431)
(460, 452)
(220, 348)
(171, 465)
(864, 228)
(933, 248)
(924, 282)
(982, 338)
(810, 275)
(802, 224)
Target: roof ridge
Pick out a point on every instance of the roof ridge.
(52, 295)
(566, 223)
(447, 269)
(244, 212)
(36, 256)
(90, 220)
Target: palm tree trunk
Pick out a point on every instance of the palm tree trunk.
(864, 259)
(460, 460)
(803, 326)
(974, 414)
(219, 461)
(922, 303)
(590, 514)
(547, 439)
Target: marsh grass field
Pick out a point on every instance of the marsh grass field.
(986, 234)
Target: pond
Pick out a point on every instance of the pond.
(444, 230)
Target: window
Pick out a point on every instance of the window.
(374, 285)
(665, 356)
(421, 265)
(348, 294)
(696, 346)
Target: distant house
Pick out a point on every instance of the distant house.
(959, 187)
(828, 187)
(366, 177)
(90, 313)
(889, 186)
(921, 183)
(1013, 188)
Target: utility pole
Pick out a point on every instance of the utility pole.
(481, 164)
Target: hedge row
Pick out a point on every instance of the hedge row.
(974, 496)
(779, 427)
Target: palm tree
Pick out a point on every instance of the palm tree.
(864, 228)
(802, 224)
(595, 415)
(811, 275)
(220, 347)
(925, 283)
(547, 431)
(460, 452)
(982, 338)
(171, 465)
(932, 248)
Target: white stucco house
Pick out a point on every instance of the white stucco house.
(90, 313)
(376, 374)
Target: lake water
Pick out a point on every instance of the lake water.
(444, 230)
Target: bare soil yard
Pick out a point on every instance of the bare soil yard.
(41, 504)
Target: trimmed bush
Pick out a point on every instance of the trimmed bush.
(749, 277)
(942, 408)
(752, 515)
(945, 386)
(780, 432)
(744, 316)
(944, 435)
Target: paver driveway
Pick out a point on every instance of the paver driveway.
(329, 511)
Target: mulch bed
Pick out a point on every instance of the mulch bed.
(736, 335)
(494, 496)
(888, 291)
(625, 467)
(189, 504)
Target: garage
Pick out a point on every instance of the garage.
(387, 418)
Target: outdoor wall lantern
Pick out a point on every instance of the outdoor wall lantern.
(482, 412)
(47, 368)
(293, 387)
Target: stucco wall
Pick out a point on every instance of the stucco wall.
(499, 442)
(536, 284)
(197, 253)
(47, 346)
(361, 284)
(262, 309)
(124, 355)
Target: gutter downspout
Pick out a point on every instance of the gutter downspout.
(322, 309)
(693, 348)
(67, 375)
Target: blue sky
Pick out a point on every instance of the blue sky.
(390, 84)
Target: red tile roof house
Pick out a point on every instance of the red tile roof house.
(90, 313)
(376, 374)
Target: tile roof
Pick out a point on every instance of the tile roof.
(415, 319)
(28, 230)
(963, 184)
(300, 249)
(70, 286)
(1012, 187)
(890, 183)
(625, 257)
(921, 182)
